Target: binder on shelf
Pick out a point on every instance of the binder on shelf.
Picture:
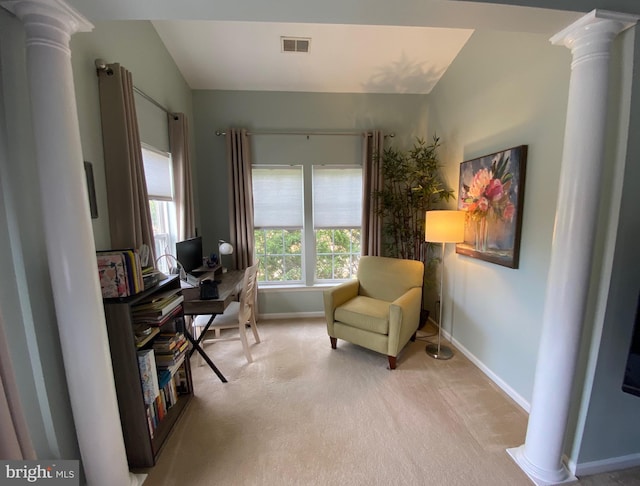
(113, 275)
(120, 273)
(148, 375)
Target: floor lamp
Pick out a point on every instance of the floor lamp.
(444, 227)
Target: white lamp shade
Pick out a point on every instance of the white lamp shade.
(225, 248)
(444, 226)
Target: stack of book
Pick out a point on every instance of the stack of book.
(168, 391)
(151, 276)
(170, 350)
(167, 354)
(159, 309)
(120, 273)
(162, 375)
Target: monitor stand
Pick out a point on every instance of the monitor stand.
(193, 280)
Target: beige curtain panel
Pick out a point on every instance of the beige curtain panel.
(372, 147)
(128, 203)
(15, 442)
(240, 197)
(182, 183)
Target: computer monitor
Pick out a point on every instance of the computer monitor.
(189, 254)
(631, 383)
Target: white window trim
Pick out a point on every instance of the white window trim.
(308, 231)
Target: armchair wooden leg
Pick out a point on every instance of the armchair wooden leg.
(334, 342)
(392, 362)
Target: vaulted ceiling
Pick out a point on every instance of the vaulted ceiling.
(356, 46)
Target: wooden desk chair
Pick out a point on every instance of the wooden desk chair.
(238, 315)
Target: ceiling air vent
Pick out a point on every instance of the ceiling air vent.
(295, 44)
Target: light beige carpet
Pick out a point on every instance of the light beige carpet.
(303, 414)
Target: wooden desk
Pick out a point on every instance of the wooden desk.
(229, 286)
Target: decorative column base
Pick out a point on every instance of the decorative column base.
(537, 475)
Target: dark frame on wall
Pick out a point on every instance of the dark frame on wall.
(91, 189)
(491, 191)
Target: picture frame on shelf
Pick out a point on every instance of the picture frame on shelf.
(491, 191)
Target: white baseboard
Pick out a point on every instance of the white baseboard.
(605, 465)
(516, 397)
(290, 315)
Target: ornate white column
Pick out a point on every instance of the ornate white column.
(590, 41)
(69, 238)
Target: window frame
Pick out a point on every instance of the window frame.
(274, 283)
(318, 281)
(167, 206)
(308, 236)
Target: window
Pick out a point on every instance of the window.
(278, 223)
(337, 216)
(307, 236)
(159, 177)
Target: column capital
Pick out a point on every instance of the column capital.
(55, 13)
(594, 28)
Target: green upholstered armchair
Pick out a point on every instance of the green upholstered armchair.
(380, 310)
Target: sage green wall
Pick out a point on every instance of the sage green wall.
(403, 114)
(503, 90)
(137, 47)
(509, 89)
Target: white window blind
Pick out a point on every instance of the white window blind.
(158, 174)
(277, 197)
(337, 197)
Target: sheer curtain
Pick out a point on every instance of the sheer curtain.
(240, 197)
(183, 186)
(15, 442)
(129, 215)
(372, 148)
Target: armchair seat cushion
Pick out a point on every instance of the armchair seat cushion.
(365, 313)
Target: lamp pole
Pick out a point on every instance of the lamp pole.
(433, 350)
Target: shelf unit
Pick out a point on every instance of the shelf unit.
(142, 448)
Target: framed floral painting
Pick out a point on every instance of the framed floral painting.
(491, 192)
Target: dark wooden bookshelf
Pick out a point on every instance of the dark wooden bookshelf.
(142, 449)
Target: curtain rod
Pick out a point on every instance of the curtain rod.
(154, 102)
(101, 65)
(312, 132)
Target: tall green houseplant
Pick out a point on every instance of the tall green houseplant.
(412, 186)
